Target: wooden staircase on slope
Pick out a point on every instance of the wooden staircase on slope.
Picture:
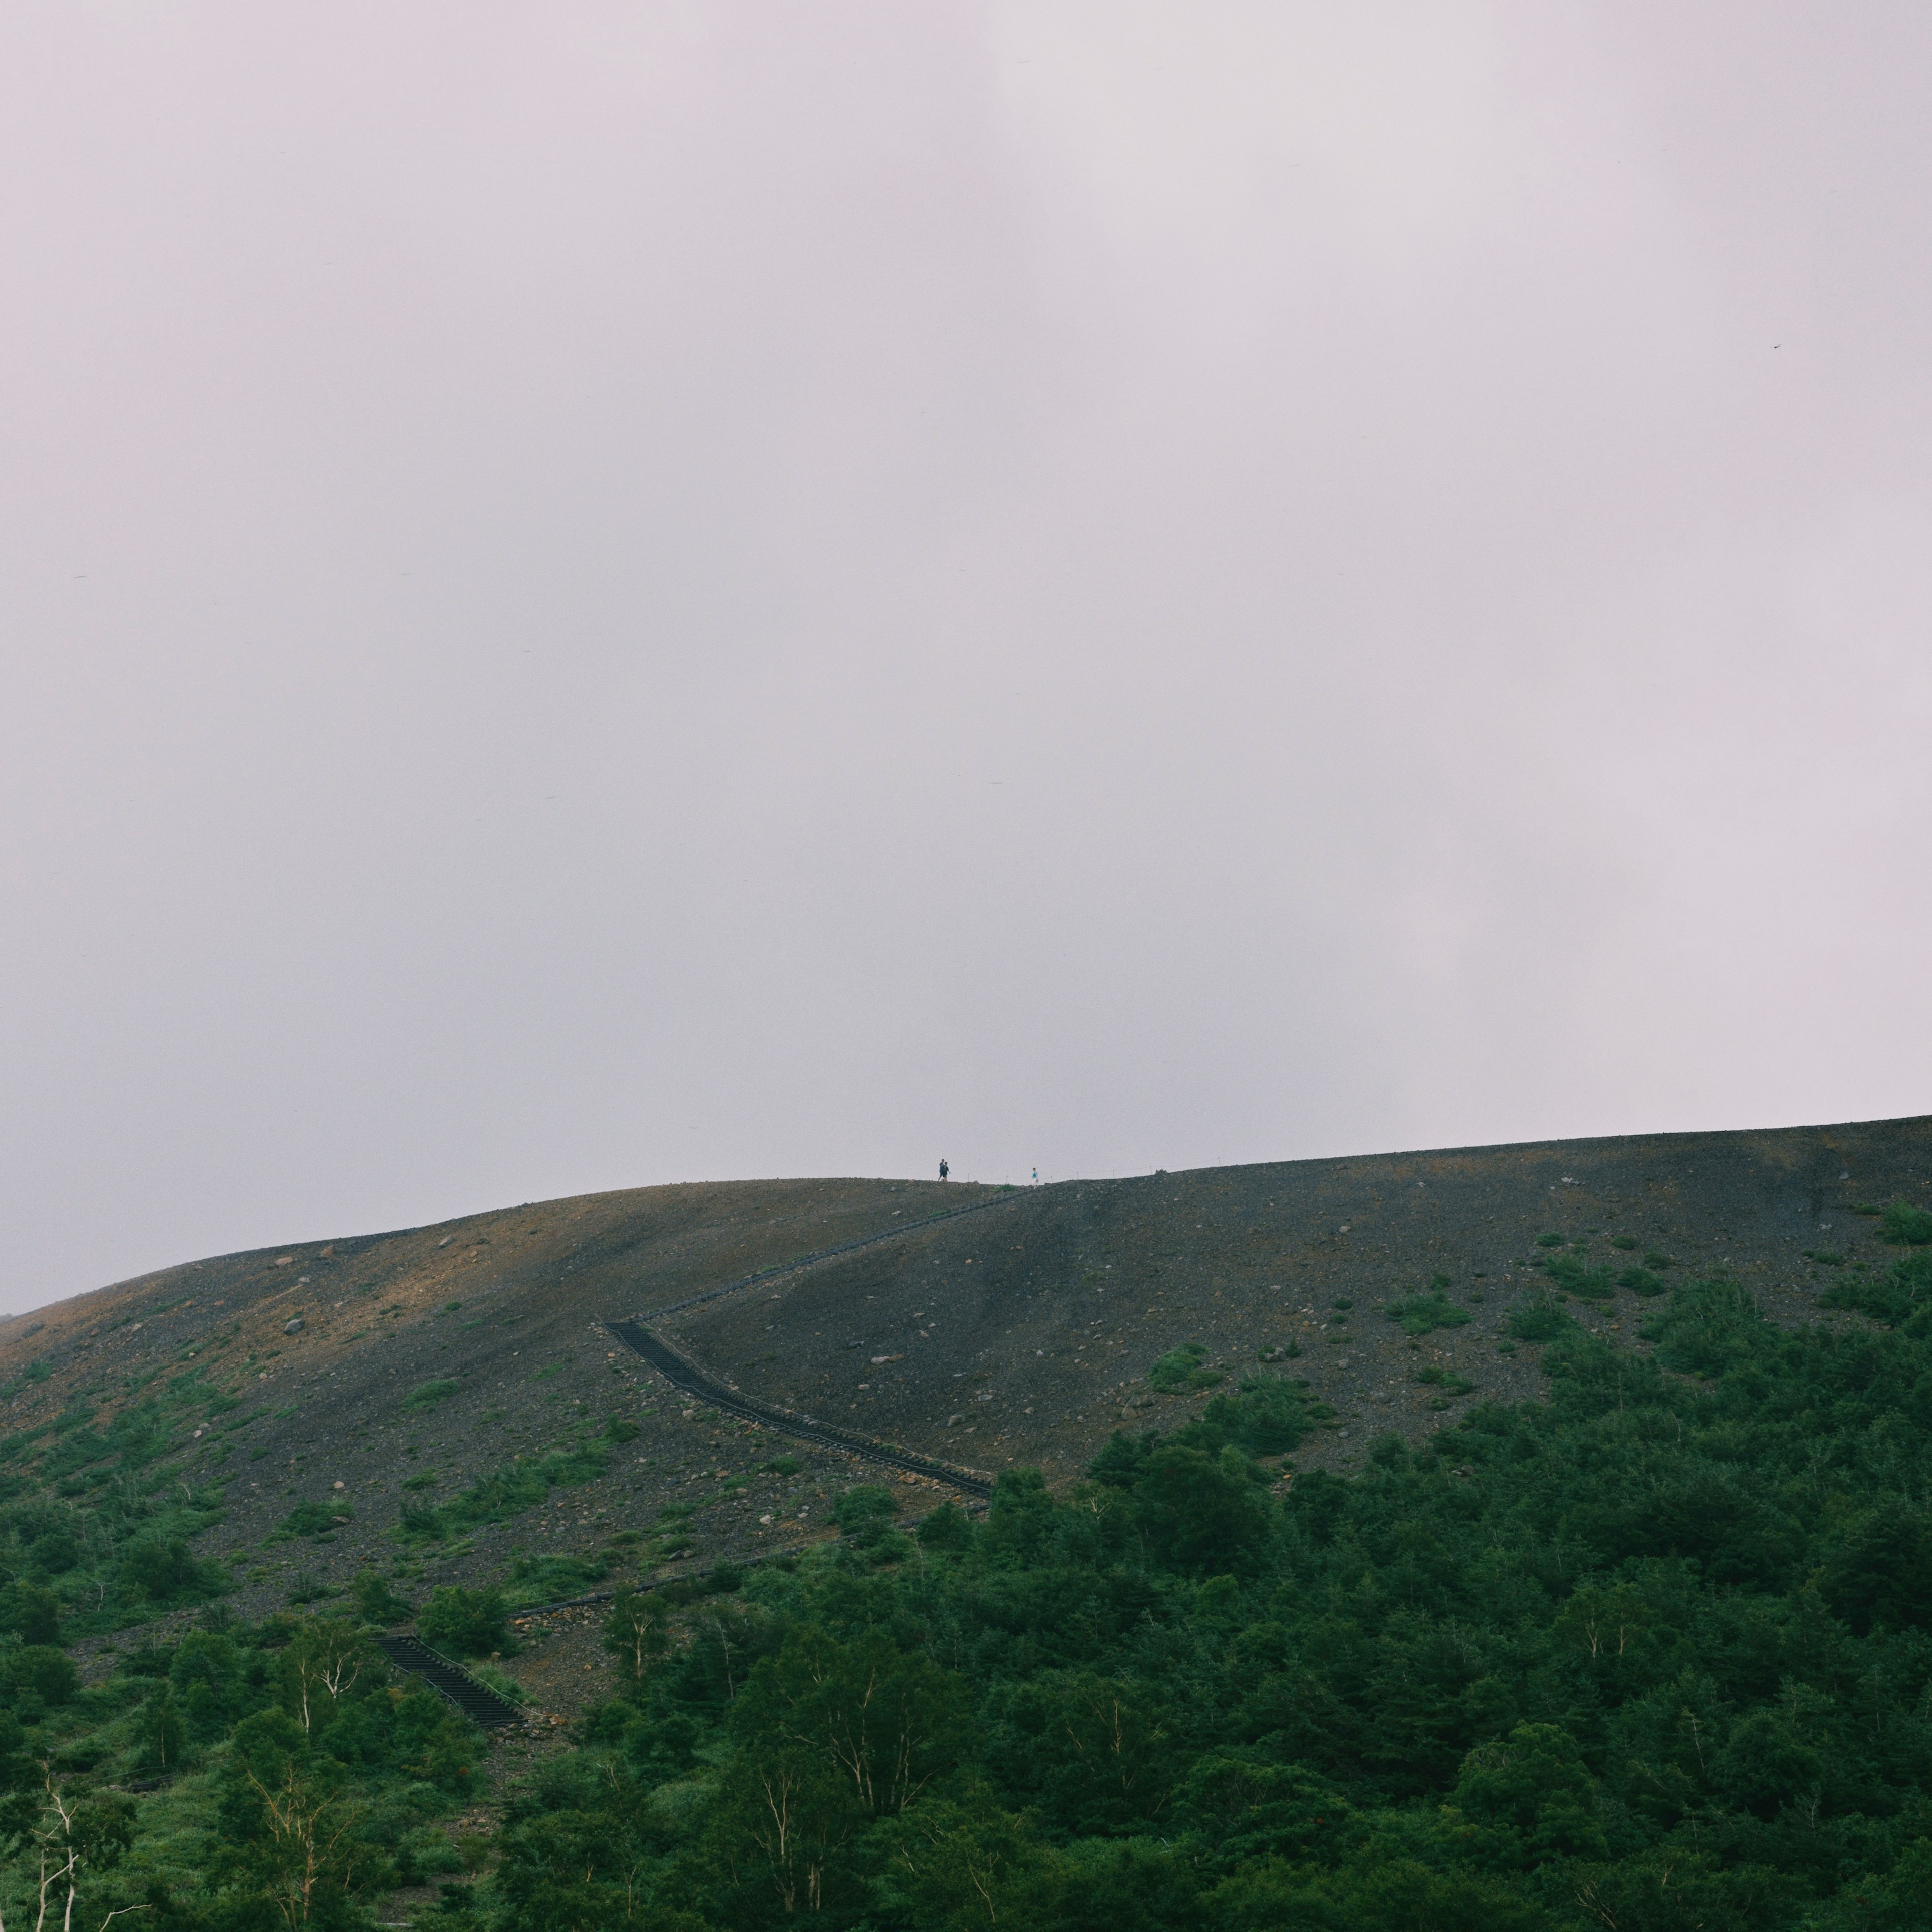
(450, 1681)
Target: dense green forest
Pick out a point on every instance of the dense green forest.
(1654, 1654)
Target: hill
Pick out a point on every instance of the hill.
(383, 1378)
(1530, 1536)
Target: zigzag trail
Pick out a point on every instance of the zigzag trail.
(683, 1373)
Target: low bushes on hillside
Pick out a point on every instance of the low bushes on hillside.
(1420, 1314)
(1180, 1369)
(465, 1623)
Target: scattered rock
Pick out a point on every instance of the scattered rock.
(293, 1326)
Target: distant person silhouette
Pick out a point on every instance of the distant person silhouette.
(944, 1170)
(1036, 1177)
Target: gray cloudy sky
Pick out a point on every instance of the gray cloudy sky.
(597, 594)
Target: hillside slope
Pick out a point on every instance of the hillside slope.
(447, 1396)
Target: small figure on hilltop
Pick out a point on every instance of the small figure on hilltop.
(944, 1170)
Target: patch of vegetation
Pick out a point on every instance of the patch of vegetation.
(239, 1726)
(1576, 1277)
(465, 1623)
(1641, 1281)
(1626, 1242)
(1904, 1225)
(550, 1577)
(376, 1602)
(315, 1519)
(1450, 1384)
(1541, 1318)
(1655, 1258)
(1550, 1240)
(1180, 1369)
(1895, 1297)
(514, 1487)
(1825, 1257)
(506, 1686)
(427, 1395)
(1423, 1314)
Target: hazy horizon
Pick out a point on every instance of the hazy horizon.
(600, 597)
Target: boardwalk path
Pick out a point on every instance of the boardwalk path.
(680, 1370)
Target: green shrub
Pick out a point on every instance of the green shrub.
(419, 1522)
(1180, 1369)
(1626, 1242)
(1655, 1258)
(427, 1395)
(1423, 1314)
(864, 1514)
(1550, 1241)
(1905, 1226)
(1573, 1277)
(1542, 1317)
(315, 1519)
(948, 1529)
(1641, 1281)
(56, 1551)
(40, 1669)
(465, 1623)
(378, 1604)
(162, 1570)
(1267, 1417)
(1825, 1257)
(30, 1612)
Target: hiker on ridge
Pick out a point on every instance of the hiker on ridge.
(944, 1170)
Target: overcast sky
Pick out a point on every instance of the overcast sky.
(597, 594)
